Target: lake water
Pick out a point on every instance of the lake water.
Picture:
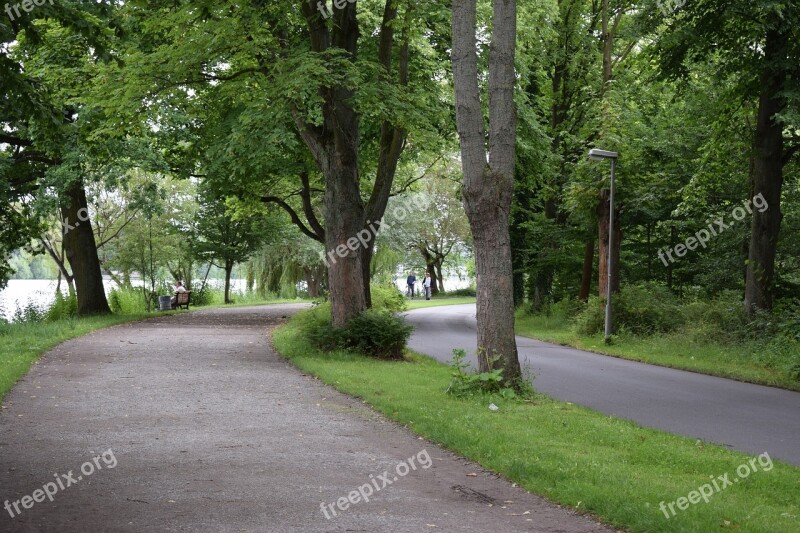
(41, 292)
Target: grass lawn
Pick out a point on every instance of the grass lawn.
(419, 303)
(744, 362)
(587, 461)
(22, 344)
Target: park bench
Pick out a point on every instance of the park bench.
(182, 300)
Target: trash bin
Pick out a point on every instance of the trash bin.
(165, 302)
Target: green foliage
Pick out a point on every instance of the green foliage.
(466, 382)
(63, 308)
(638, 309)
(460, 293)
(126, 300)
(388, 298)
(378, 332)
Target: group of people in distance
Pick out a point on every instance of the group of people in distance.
(426, 285)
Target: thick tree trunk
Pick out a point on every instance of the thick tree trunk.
(439, 277)
(81, 252)
(602, 237)
(366, 273)
(588, 268)
(488, 188)
(228, 270)
(767, 179)
(343, 220)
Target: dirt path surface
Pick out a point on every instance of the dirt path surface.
(193, 423)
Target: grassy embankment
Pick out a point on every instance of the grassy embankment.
(745, 361)
(579, 458)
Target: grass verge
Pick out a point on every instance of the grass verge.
(742, 362)
(22, 344)
(610, 468)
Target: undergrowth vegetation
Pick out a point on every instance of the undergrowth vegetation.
(378, 332)
(711, 335)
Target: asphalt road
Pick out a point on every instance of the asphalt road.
(740, 416)
(192, 423)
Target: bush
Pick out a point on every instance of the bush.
(378, 334)
(717, 320)
(63, 307)
(375, 332)
(639, 309)
(469, 292)
(126, 300)
(387, 298)
(30, 313)
(592, 319)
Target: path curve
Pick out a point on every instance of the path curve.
(209, 430)
(741, 416)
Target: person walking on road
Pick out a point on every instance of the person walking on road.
(426, 285)
(410, 281)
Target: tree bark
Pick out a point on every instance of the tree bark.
(488, 187)
(602, 237)
(588, 267)
(228, 270)
(81, 252)
(767, 178)
(439, 277)
(335, 148)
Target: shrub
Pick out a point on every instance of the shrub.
(30, 313)
(375, 333)
(639, 309)
(63, 307)
(717, 319)
(387, 298)
(126, 300)
(462, 293)
(378, 334)
(465, 382)
(592, 319)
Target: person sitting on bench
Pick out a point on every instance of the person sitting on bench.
(178, 288)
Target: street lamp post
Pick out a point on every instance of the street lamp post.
(600, 155)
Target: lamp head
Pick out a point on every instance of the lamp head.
(599, 155)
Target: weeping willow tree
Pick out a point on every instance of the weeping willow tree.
(286, 261)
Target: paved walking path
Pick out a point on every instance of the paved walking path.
(208, 430)
(742, 416)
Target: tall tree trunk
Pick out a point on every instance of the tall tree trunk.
(439, 277)
(335, 148)
(228, 270)
(81, 252)
(586, 274)
(343, 220)
(366, 272)
(767, 178)
(488, 187)
(602, 237)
